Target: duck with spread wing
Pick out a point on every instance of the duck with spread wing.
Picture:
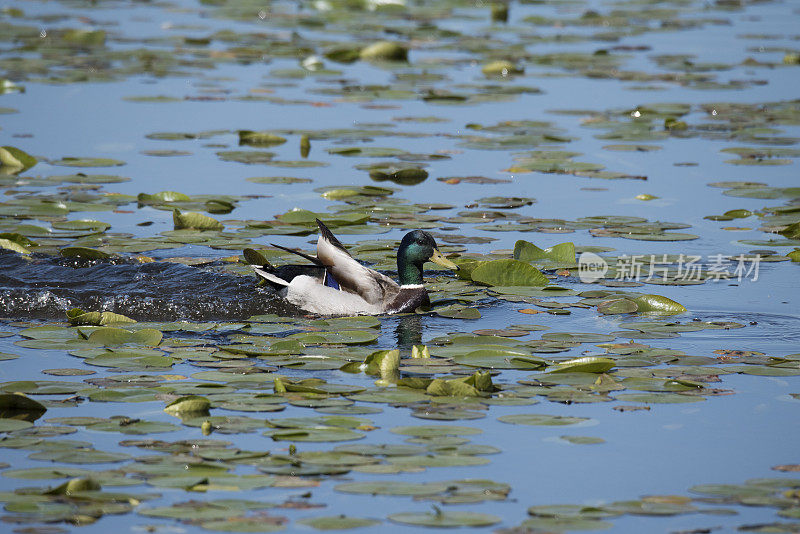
(337, 284)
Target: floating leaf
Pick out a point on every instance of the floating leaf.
(13, 246)
(163, 196)
(19, 406)
(75, 485)
(439, 519)
(249, 157)
(540, 419)
(249, 137)
(617, 306)
(435, 430)
(526, 251)
(658, 304)
(508, 272)
(108, 336)
(87, 162)
(392, 487)
(192, 405)
(196, 221)
(16, 159)
(587, 364)
(384, 51)
(583, 440)
(337, 522)
(84, 253)
(405, 176)
(491, 358)
(76, 317)
(501, 68)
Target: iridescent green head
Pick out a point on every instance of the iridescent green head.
(416, 248)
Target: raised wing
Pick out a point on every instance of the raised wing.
(353, 277)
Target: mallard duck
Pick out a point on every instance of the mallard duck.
(337, 284)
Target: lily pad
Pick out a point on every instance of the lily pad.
(508, 272)
(338, 522)
(195, 221)
(541, 419)
(587, 364)
(440, 519)
(87, 162)
(14, 158)
(192, 404)
(384, 51)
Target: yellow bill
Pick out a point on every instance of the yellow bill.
(438, 259)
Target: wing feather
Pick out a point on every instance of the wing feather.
(352, 277)
(269, 277)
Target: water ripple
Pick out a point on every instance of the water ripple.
(45, 288)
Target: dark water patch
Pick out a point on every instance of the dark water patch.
(45, 288)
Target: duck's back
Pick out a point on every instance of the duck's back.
(308, 294)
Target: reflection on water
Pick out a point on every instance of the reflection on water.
(409, 331)
(45, 288)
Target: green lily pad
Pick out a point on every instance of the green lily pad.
(110, 336)
(337, 522)
(11, 425)
(561, 524)
(191, 404)
(249, 157)
(659, 398)
(251, 138)
(587, 364)
(87, 162)
(13, 246)
(392, 487)
(19, 406)
(320, 435)
(501, 68)
(435, 430)
(526, 251)
(279, 180)
(77, 317)
(583, 440)
(440, 519)
(195, 221)
(15, 158)
(245, 524)
(508, 272)
(500, 359)
(617, 306)
(541, 419)
(658, 304)
(84, 253)
(384, 51)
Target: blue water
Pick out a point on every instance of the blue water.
(663, 451)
